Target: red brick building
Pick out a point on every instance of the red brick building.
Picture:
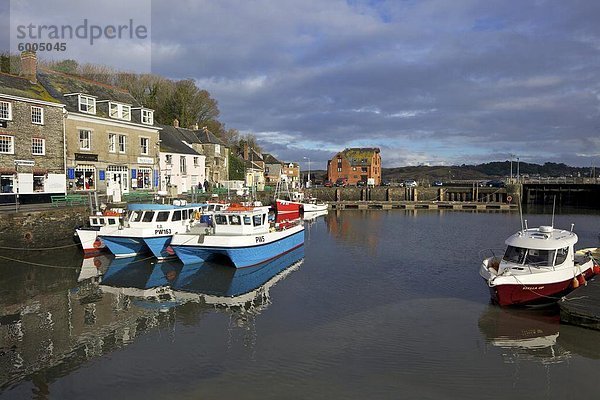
(356, 164)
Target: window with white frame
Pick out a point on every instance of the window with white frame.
(122, 143)
(38, 146)
(85, 177)
(169, 159)
(147, 117)
(85, 139)
(195, 161)
(112, 143)
(7, 183)
(144, 178)
(37, 115)
(7, 144)
(38, 182)
(120, 111)
(217, 149)
(5, 110)
(144, 145)
(182, 165)
(87, 104)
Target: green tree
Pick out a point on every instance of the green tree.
(237, 169)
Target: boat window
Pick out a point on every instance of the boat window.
(111, 221)
(257, 219)
(211, 207)
(162, 216)
(177, 215)
(539, 257)
(220, 219)
(234, 220)
(148, 216)
(136, 216)
(561, 255)
(247, 220)
(515, 254)
(186, 214)
(95, 221)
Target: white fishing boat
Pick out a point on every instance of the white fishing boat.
(313, 205)
(149, 228)
(88, 235)
(245, 235)
(539, 265)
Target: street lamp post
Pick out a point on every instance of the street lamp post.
(511, 169)
(308, 178)
(518, 176)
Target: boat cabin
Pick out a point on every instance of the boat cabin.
(97, 221)
(251, 221)
(539, 247)
(143, 215)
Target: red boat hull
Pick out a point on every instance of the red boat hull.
(513, 295)
(284, 206)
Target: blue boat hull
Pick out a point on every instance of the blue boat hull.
(158, 246)
(125, 246)
(241, 256)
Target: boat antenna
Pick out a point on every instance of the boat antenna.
(521, 213)
(553, 208)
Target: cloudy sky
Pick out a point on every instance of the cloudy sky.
(429, 82)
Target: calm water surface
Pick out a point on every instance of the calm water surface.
(377, 305)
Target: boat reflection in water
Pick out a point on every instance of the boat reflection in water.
(140, 279)
(235, 287)
(524, 334)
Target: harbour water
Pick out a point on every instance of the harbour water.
(375, 305)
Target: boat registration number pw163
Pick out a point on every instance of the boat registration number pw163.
(260, 239)
(162, 231)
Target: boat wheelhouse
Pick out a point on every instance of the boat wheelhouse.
(150, 227)
(539, 266)
(245, 235)
(88, 235)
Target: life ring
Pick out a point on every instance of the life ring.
(509, 198)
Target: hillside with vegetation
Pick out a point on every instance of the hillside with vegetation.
(487, 171)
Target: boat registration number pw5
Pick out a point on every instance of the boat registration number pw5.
(260, 239)
(162, 231)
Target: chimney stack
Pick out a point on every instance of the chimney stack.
(195, 127)
(176, 123)
(29, 66)
(246, 151)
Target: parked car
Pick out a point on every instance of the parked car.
(495, 183)
(410, 183)
(438, 183)
(328, 183)
(341, 182)
(361, 183)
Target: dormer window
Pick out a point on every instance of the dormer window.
(120, 111)
(147, 117)
(87, 104)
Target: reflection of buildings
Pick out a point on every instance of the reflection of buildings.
(524, 334)
(363, 231)
(52, 320)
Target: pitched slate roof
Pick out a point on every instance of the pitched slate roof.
(18, 86)
(59, 84)
(171, 140)
(207, 137)
(269, 159)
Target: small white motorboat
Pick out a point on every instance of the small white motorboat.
(88, 235)
(540, 265)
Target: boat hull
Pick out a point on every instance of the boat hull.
(88, 237)
(274, 245)
(125, 246)
(515, 292)
(309, 207)
(284, 206)
(158, 245)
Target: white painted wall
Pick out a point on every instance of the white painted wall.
(171, 172)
